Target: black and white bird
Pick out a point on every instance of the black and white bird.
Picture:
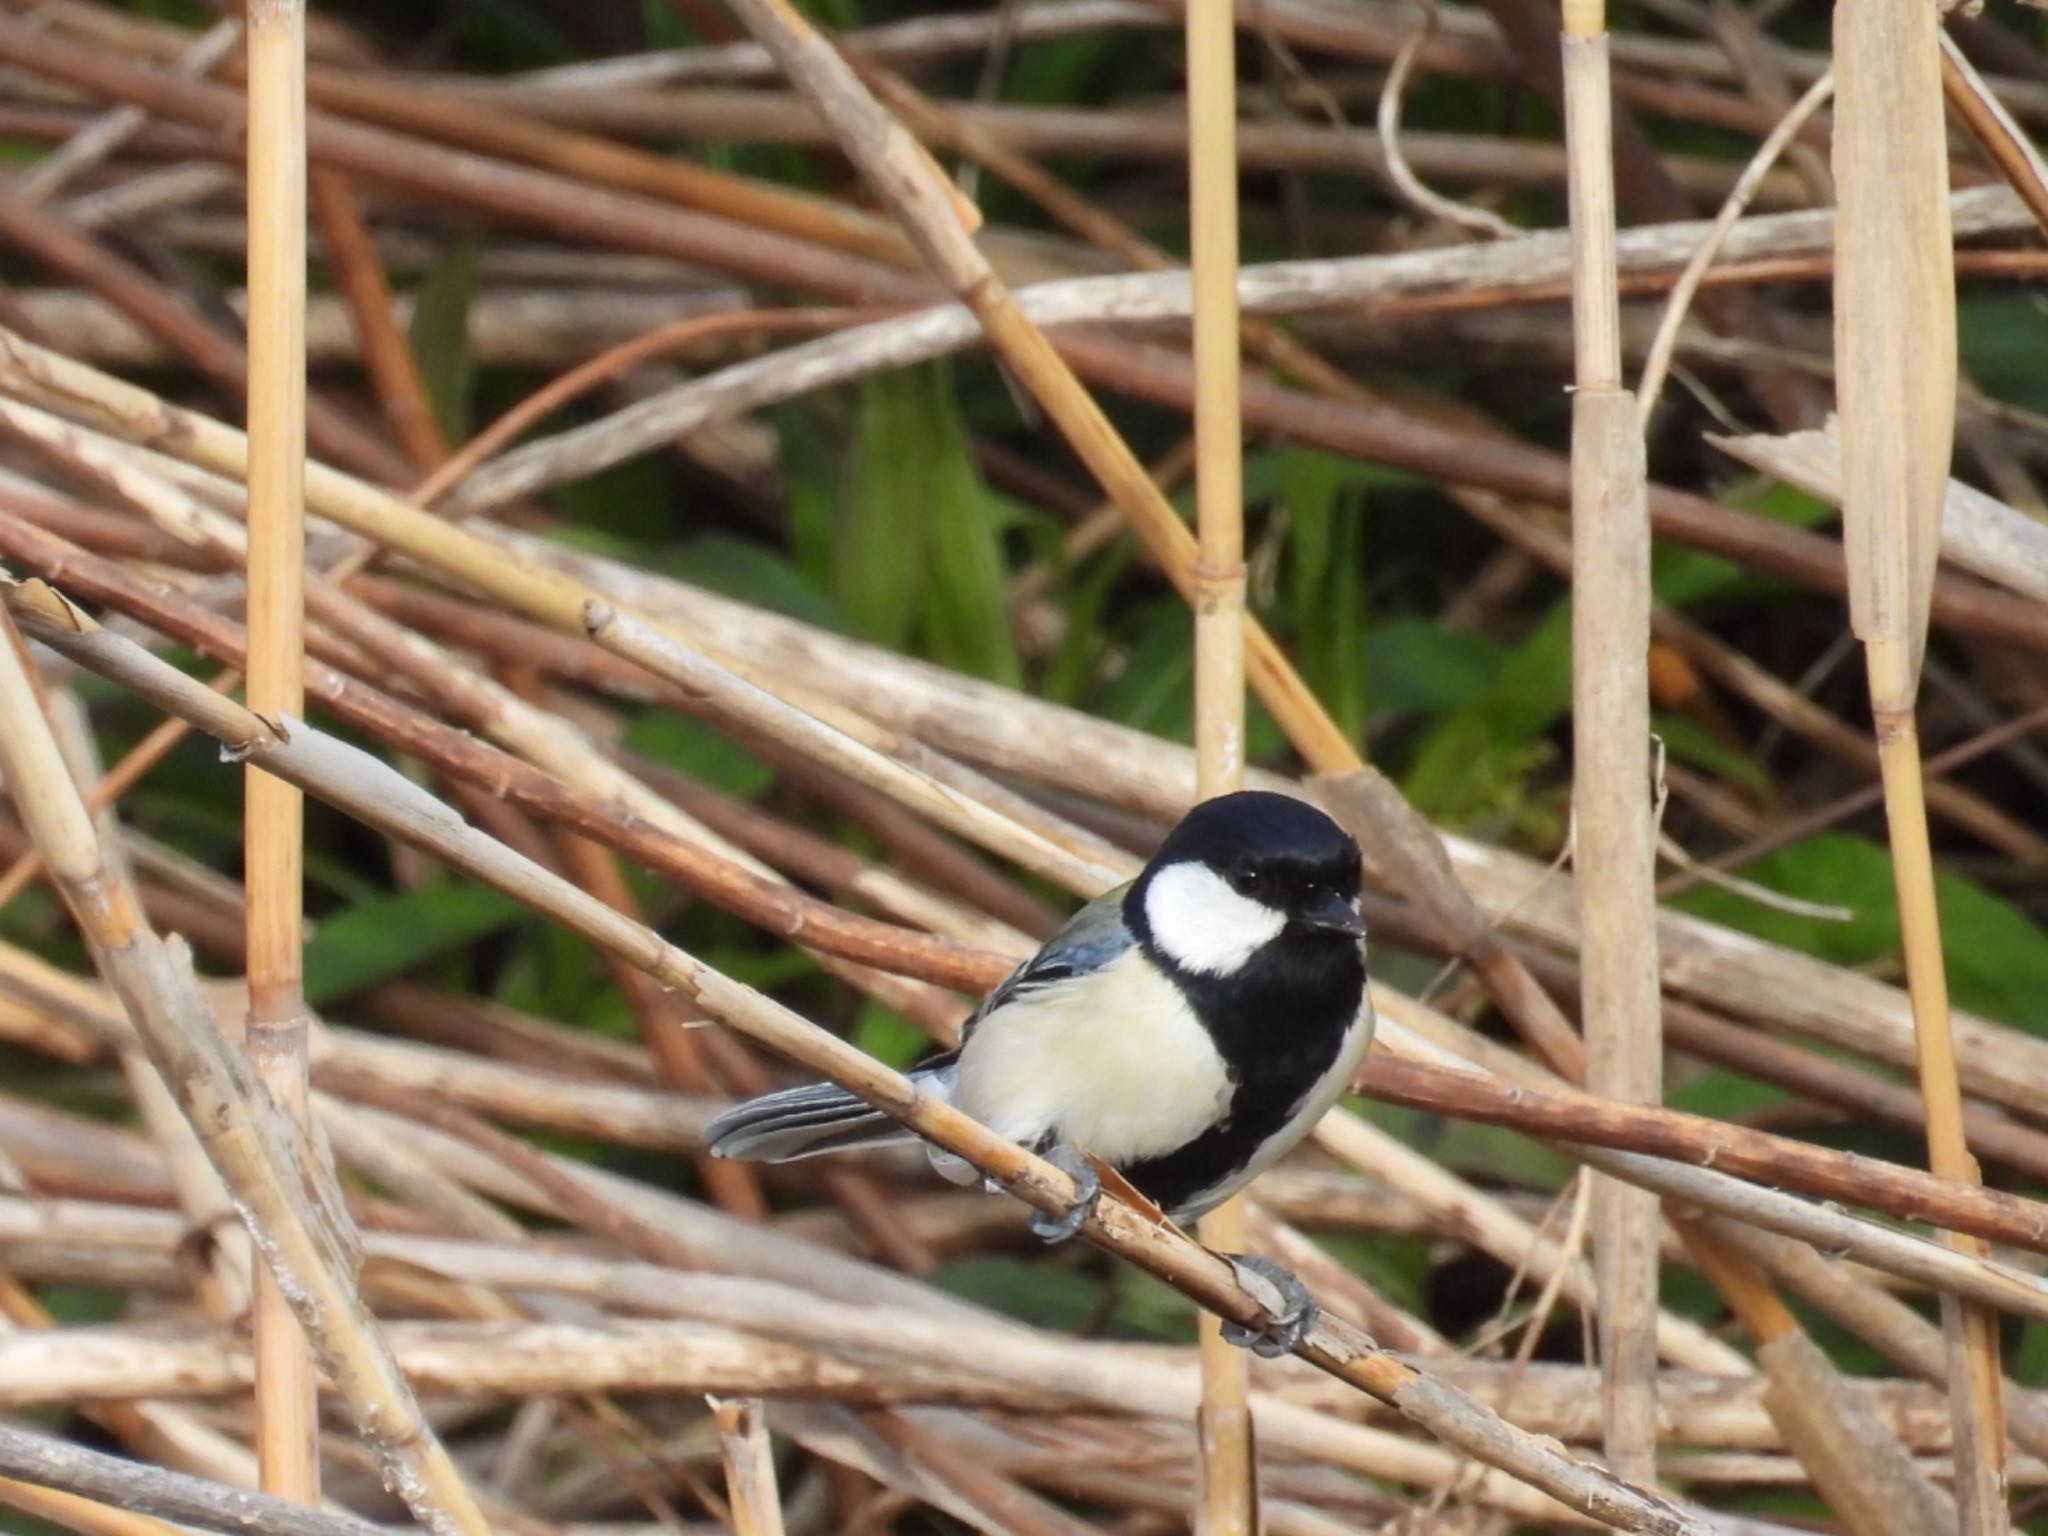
(1187, 1029)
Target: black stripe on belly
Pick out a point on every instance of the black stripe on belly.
(1277, 1052)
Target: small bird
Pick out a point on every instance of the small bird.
(1187, 1029)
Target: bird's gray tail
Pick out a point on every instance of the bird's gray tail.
(816, 1118)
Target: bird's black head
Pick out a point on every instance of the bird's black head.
(1238, 873)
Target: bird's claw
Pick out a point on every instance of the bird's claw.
(1073, 1162)
(1290, 1311)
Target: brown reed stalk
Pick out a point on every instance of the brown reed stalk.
(287, 1442)
(1895, 349)
(1224, 1438)
(1614, 824)
(388, 361)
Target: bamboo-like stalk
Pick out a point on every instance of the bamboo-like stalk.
(749, 1467)
(1615, 832)
(287, 1442)
(1895, 347)
(1228, 1457)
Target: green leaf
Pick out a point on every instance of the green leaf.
(1685, 577)
(1692, 743)
(440, 336)
(1154, 690)
(1996, 954)
(751, 573)
(1422, 666)
(889, 1037)
(881, 540)
(1325, 505)
(378, 939)
(2001, 339)
(918, 546)
(1476, 759)
(691, 747)
(1724, 1095)
(966, 618)
(1084, 600)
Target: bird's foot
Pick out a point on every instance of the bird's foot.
(1073, 1162)
(1290, 1310)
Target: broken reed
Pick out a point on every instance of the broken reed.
(1895, 345)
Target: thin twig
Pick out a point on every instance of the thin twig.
(1482, 221)
(1651, 384)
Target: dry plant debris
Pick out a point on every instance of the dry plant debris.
(747, 586)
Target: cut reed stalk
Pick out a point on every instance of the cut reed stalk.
(287, 1442)
(1895, 348)
(1615, 825)
(1224, 1436)
(750, 1488)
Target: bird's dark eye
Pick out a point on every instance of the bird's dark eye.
(1247, 882)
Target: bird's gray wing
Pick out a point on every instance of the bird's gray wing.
(1088, 941)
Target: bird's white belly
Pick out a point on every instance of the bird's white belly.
(1115, 1062)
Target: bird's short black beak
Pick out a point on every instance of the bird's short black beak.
(1334, 913)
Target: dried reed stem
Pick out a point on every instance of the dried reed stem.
(358, 271)
(156, 1494)
(749, 1467)
(72, 1512)
(286, 1409)
(2003, 139)
(1228, 1459)
(1614, 823)
(1895, 347)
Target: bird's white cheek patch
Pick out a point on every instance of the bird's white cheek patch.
(1205, 926)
